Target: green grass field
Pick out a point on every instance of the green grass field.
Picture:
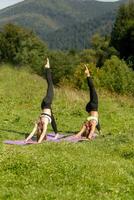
(99, 170)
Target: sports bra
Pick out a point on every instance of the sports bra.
(47, 116)
(92, 118)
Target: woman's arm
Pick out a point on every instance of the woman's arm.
(79, 134)
(92, 130)
(44, 130)
(32, 133)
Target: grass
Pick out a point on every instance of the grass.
(101, 169)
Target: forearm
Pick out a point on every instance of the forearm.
(43, 133)
(79, 134)
(29, 137)
(53, 124)
(91, 132)
(32, 133)
(41, 137)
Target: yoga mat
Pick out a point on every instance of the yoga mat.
(50, 137)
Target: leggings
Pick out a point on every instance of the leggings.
(47, 100)
(92, 105)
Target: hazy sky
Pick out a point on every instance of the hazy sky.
(108, 0)
(5, 3)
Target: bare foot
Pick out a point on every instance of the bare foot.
(47, 64)
(87, 71)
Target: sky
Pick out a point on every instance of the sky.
(5, 3)
(108, 0)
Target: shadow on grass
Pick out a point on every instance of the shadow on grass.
(68, 132)
(13, 131)
(25, 134)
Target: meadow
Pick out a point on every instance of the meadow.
(102, 169)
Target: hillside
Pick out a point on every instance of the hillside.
(47, 16)
(78, 35)
(101, 169)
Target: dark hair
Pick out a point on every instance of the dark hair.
(88, 128)
(39, 125)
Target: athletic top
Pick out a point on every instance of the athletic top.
(47, 116)
(90, 118)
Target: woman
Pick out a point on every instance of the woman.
(46, 116)
(88, 129)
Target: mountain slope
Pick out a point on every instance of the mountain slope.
(47, 16)
(78, 35)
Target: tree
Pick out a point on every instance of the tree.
(116, 76)
(102, 49)
(63, 65)
(122, 37)
(20, 46)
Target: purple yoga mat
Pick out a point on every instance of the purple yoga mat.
(50, 137)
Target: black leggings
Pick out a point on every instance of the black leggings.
(47, 100)
(92, 105)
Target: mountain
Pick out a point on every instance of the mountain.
(78, 35)
(48, 18)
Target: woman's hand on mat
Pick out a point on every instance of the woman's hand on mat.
(89, 138)
(26, 140)
(87, 71)
(57, 136)
(77, 135)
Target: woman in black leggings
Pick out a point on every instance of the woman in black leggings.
(46, 116)
(92, 122)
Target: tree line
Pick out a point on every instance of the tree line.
(111, 59)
